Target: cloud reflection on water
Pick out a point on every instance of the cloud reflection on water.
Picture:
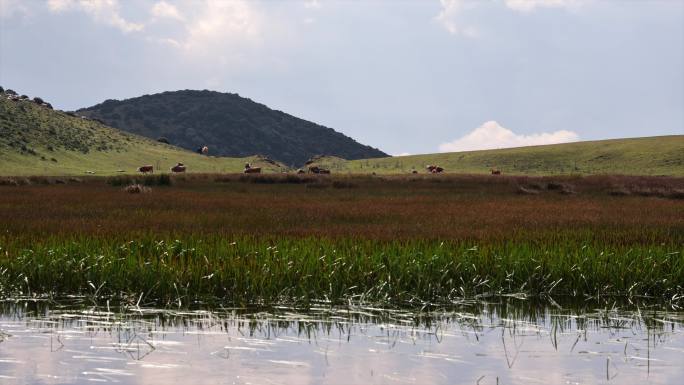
(317, 348)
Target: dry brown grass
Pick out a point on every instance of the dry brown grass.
(466, 207)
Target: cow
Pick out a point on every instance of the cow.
(434, 169)
(251, 170)
(318, 170)
(146, 168)
(205, 150)
(496, 172)
(180, 167)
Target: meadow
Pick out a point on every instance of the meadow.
(405, 240)
(658, 155)
(35, 140)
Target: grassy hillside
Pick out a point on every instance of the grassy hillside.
(228, 124)
(36, 140)
(660, 155)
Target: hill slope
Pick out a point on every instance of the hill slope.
(36, 140)
(228, 124)
(659, 155)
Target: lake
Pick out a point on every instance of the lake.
(507, 341)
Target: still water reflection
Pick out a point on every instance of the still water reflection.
(475, 343)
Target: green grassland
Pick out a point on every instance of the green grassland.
(35, 140)
(660, 155)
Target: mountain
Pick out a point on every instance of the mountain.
(657, 155)
(228, 124)
(37, 140)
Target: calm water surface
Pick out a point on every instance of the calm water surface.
(43, 343)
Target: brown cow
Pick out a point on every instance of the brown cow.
(180, 167)
(496, 172)
(146, 168)
(434, 169)
(205, 150)
(251, 170)
(318, 170)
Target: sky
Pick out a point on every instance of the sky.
(406, 76)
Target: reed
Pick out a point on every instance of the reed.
(248, 271)
(407, 240)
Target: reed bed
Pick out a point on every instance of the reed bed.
(389, 240)
(251, 271)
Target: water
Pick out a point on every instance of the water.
(473, 343)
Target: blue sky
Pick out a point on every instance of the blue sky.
(413, 76)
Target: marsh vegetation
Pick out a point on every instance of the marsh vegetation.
(408, 241)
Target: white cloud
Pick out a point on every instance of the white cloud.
(12, 8)
(450, 15)
(205, 27)
(59, 5)
(531, 5)
(164, 10)
(312, 4)
(104, 11)
(403, 154)
(491, 135)
(447, 16)
(221, 22)
(165, 41)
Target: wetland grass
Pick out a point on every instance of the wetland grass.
(408, 241)
(413, 273)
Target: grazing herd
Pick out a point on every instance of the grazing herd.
(148, 168)
(249, 169)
